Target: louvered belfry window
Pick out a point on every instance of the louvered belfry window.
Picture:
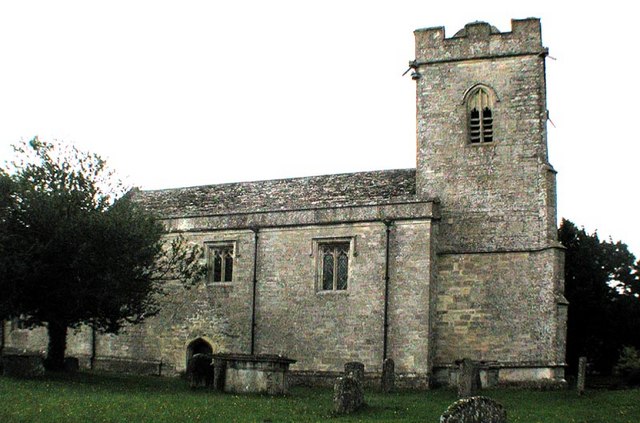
(480, 117)
(334, 265)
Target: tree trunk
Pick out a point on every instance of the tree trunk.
(57, 346)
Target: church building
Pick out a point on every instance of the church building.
(457, 258)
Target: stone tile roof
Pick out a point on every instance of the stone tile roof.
(361, 188)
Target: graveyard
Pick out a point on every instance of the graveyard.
(102, 397)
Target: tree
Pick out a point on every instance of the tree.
(602, 286)
(76, 249)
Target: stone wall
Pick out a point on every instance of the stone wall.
(500, 307)
(320, 329)
(412, 298)
(498, 195)
(294, 317)
(220, 313)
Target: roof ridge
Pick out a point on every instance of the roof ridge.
(295, 178)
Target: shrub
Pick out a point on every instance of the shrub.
(629, 366)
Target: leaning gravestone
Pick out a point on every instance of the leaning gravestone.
(348, 395)
(388, 375)
(355, 369)
(474, 410)
(22, 365)
(200, 371)
(468, 378)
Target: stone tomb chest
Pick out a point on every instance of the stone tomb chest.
(245, 373)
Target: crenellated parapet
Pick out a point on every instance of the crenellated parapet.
(479, 40)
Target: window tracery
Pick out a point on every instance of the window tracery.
(221, 263)
(334, 265)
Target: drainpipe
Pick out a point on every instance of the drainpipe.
(255, 230)
(387, 224)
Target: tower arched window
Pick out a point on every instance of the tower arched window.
(480, 115)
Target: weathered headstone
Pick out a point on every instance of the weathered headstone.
(22, 365)
(388, 375)
(468, 378)
(200, 371)
(582, 372)
(348, 395)
(71, 364)
(219, 369)
(356, 370)
(474, 410)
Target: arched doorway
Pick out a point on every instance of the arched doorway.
(197, 346)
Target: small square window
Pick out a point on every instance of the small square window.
(220, 262)
(333, 265)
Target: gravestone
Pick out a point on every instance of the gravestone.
(474, 410)
(219, 370)
(355, 369)
(71, 364)
(388, 375)
(22, 365)
(200, 371)
(468, 378)
(582, 372)
(348, 395)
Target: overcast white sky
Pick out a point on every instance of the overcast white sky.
(199, 92)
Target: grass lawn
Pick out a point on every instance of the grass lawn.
(87, 397)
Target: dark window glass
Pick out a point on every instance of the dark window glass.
(228, 267)
(327, 270)
(217, 268)
(343, 270)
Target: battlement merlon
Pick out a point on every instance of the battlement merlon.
(478, 40)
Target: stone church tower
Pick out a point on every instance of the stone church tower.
(482, 151)
(457, 258)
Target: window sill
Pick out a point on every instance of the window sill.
(333, 292)
(221, 284)
(481, 144)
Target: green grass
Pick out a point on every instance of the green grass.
(86, 397)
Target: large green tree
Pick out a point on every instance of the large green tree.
(76, 249)
(602, 286)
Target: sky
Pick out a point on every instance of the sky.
(184, 93)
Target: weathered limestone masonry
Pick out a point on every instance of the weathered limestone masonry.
(500, 275)
(455, 259)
